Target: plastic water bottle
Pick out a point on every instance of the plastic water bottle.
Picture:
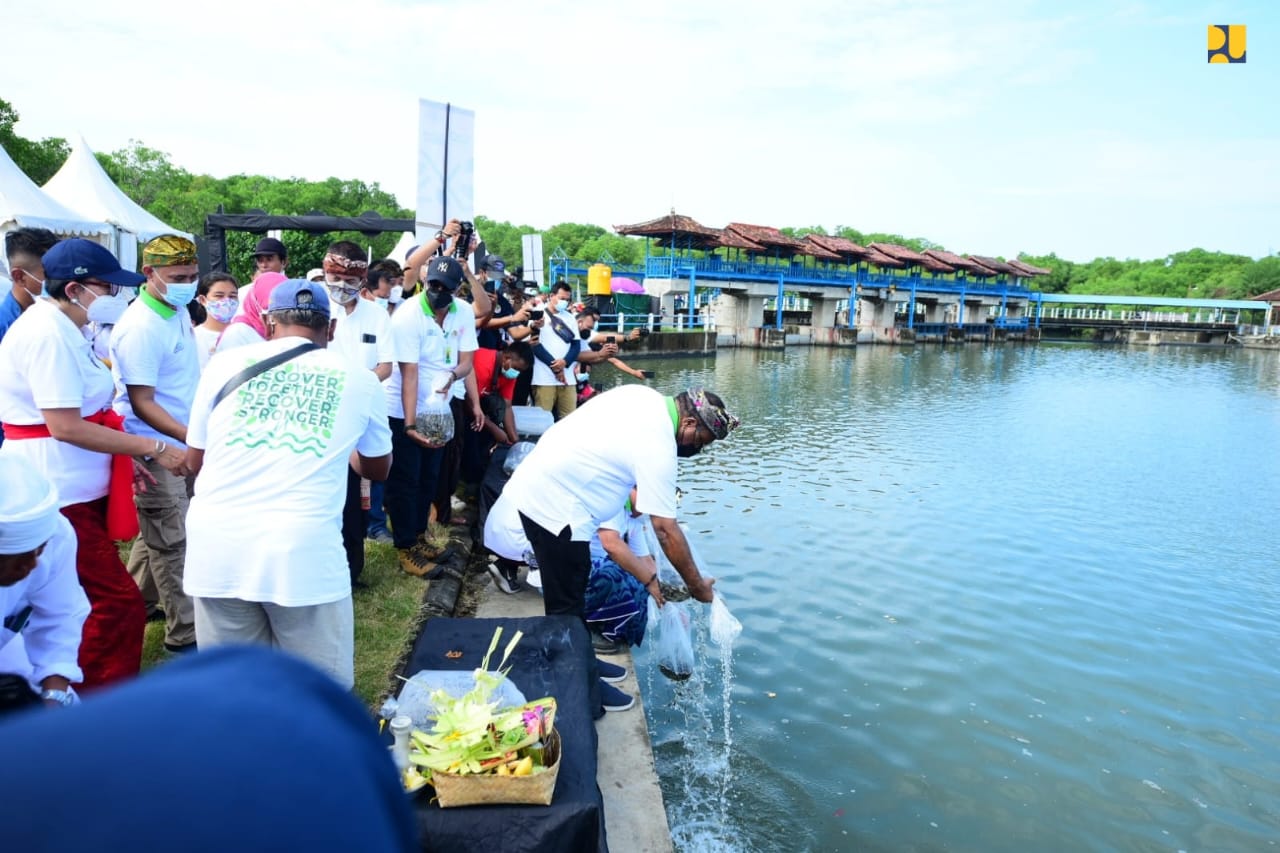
(400, 726)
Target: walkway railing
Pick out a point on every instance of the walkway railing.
(678, 322)
(1230, 318)
(796, 273)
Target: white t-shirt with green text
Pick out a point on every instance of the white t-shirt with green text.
(266, 520)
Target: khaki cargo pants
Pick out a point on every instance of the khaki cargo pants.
(159, 552)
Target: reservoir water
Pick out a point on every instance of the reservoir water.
(995, 598)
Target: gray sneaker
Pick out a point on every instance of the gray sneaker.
(508, 585)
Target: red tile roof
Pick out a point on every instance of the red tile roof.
(815, 249)
(902, 253)
(992, 263)
(684, 231)
(957, 262)
(1027, 270)
(733, 240)
(765, 236)
(840, 246)
(665, 225)
(1269, 296)
(877, 258)
(935, 266)
(982, 270)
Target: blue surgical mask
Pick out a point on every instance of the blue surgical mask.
(381, 301)
(179, 294)
(510, 373)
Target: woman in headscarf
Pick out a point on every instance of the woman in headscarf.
(247, 326)
(55, 404)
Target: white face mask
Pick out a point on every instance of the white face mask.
(107, 310)
(341, 293)
(397, 295)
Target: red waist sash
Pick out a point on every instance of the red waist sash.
(122, 516)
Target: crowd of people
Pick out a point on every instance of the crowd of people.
(249, 438)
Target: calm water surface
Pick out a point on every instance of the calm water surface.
(1012, 598)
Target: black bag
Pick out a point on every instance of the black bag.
(261, 367)
(561, 328)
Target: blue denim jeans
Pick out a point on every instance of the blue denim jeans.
(377, 513)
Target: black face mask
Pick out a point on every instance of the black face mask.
(585, 334)
(684, 451)
(440, 299)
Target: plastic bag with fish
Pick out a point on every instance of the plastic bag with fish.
(724, 627)
(675, 642)
(666, 572)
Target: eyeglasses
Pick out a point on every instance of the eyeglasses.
(112, 289)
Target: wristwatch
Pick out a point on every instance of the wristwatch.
(65, 698)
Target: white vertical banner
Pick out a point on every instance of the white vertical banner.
(531, 251)
(446, 165)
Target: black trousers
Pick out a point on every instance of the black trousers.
(410, 485)
(354, 525)
(565, 566)
(450, 464)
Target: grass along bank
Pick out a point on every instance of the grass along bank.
(388, 612)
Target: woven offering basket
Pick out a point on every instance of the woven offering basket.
(484, 790)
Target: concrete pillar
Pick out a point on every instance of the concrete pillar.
(738, 311)
(823, 311)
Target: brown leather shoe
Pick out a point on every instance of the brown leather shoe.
(412, 562)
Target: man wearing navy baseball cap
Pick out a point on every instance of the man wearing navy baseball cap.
(433, 339)
(271, 444)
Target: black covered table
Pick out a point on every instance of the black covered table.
(553, 659)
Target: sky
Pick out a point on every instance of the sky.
(991, 127)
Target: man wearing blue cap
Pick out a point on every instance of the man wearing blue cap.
(272, 432)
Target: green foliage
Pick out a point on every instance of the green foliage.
(1194, 274)
(40, 159)
(862, 238)
(184, 200)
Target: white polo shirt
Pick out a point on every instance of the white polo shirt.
(154, 345)
(362, 337)
(266, 520)
(46, 363)
(583, 468)
(416, 336)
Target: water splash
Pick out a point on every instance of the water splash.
(699, 756)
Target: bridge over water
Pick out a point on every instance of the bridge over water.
(902, 305)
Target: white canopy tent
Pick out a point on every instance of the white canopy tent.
(406, 242)
(84, 186)
(25, 205)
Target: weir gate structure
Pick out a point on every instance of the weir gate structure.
(841, 293)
